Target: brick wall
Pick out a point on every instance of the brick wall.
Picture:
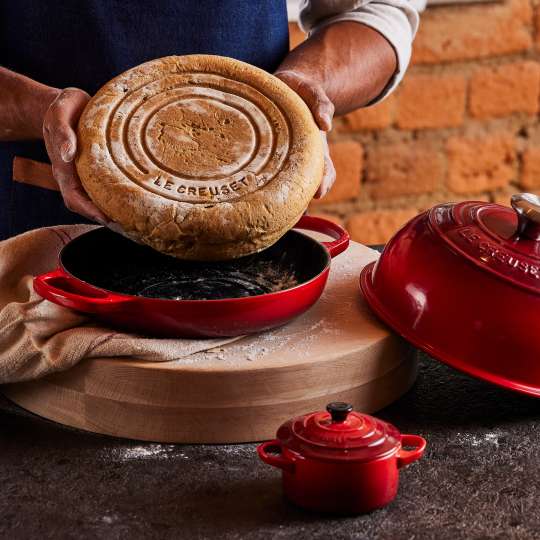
(463, 124)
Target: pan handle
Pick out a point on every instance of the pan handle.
(67, 291)
(418, 444)
(325, 226)
(275, 458)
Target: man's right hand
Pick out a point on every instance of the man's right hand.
(59, 132)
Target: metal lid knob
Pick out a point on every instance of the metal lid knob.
(339, 410)
(527, 207)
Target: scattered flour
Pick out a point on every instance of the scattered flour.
(488, 439)
(110, 519)
(147, 451)
(254, 351)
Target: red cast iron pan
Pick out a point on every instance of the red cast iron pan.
(132, 287)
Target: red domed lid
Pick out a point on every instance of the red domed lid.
(339, 434)
(501, 240)
(462, 282)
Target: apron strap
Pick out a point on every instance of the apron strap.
(34, 173)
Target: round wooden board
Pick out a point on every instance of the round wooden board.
(243, 391)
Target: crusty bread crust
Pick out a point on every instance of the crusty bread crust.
(200, 157)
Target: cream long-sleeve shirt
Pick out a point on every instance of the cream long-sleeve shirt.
(396, 20)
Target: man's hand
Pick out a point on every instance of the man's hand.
(329, 174)
(59, 124)
(31, 110)
(339, 68)
(312, 93)
(322, 110)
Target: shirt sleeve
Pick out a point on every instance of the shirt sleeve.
(396, 20)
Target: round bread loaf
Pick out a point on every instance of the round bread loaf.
(200, 157)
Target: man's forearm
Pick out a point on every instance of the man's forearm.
(352, 62)
(23, 103)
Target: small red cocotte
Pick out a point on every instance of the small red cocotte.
(340, 461)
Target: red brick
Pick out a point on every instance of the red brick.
(502, 198)
(480, 164)
(431, 101)
(378, 116)
(537, 26)
(530, 174)
(296, 36)
(378, 226)
(348, 158)
(478, 31)
(329, 217)
(404, 169)
(504, 90)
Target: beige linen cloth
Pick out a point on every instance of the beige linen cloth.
(38, 337)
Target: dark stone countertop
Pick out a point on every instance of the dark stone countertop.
(479, 478)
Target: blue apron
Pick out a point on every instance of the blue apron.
(87, 42)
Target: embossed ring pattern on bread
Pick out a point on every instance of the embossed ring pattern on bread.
(201, 157)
